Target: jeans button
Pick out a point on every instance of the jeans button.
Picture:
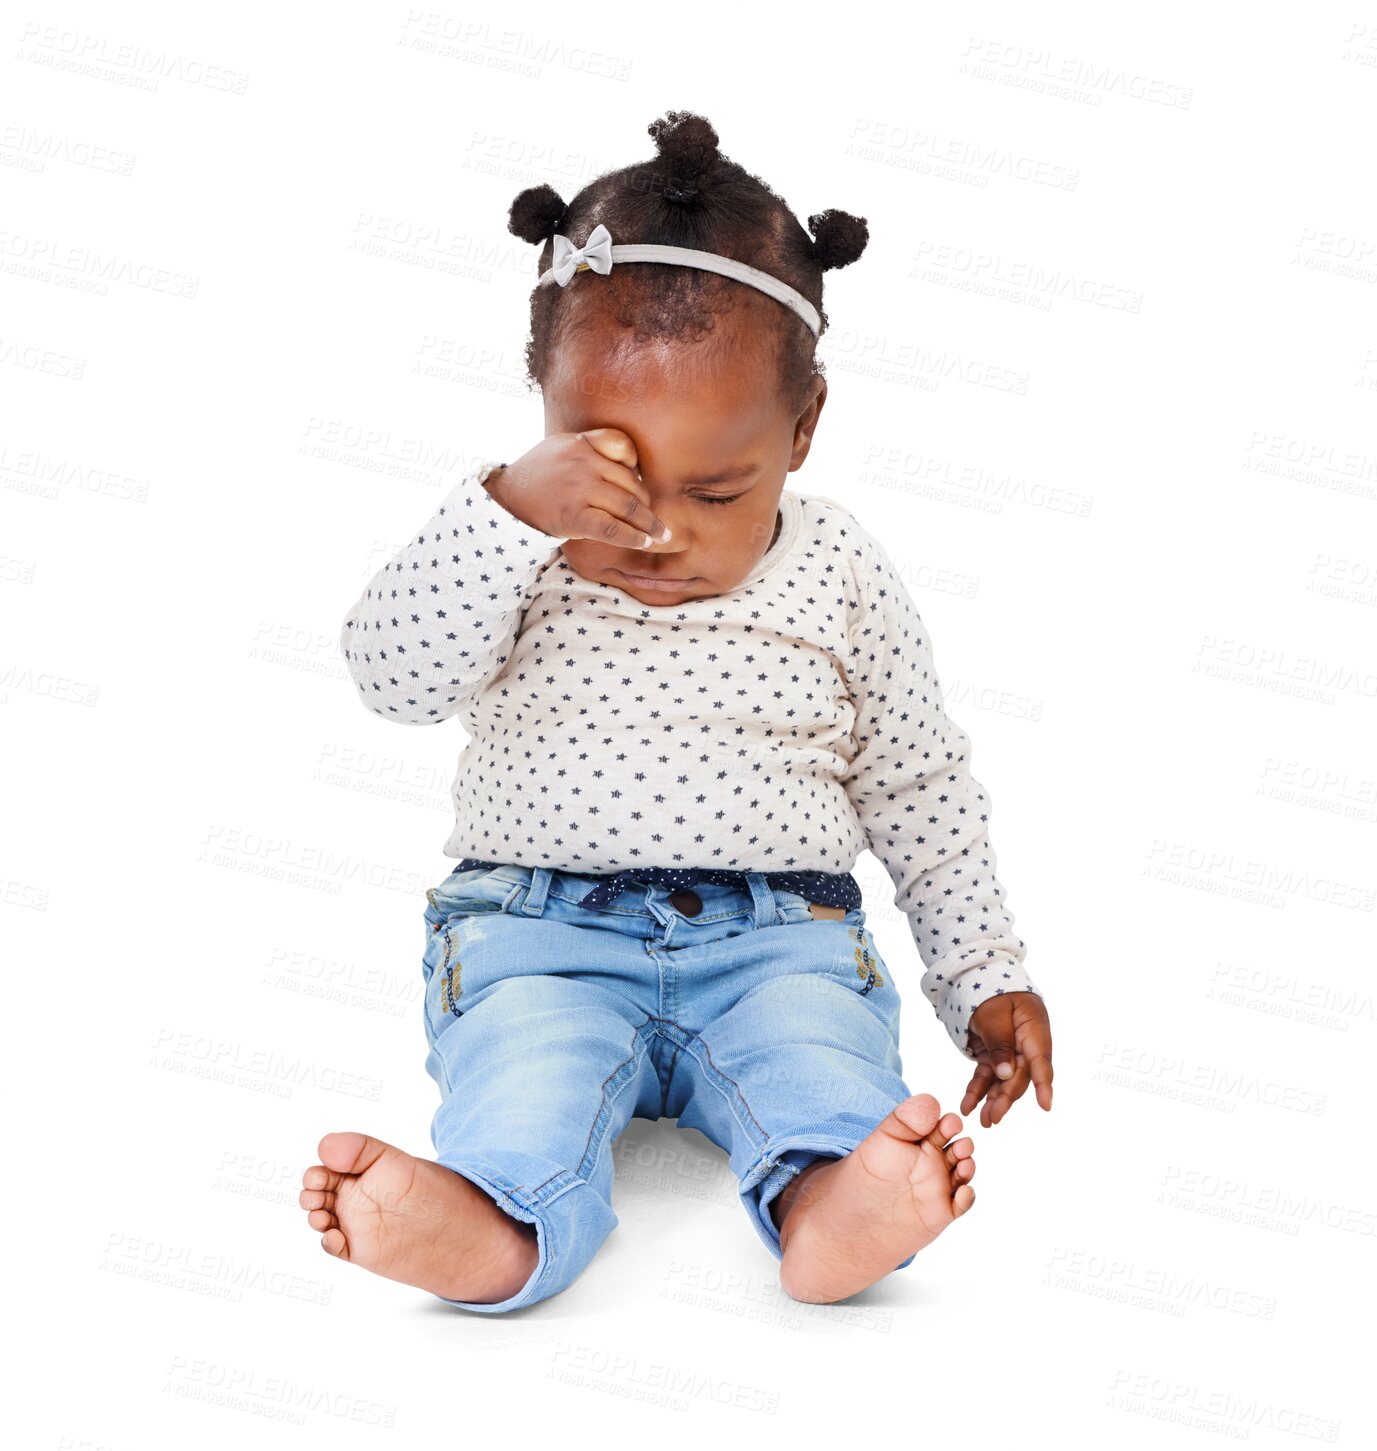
(686, 901)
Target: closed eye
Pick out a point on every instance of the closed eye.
(716, 498)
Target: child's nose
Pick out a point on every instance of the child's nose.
(679, 532)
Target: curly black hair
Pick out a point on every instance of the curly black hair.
(688, 195)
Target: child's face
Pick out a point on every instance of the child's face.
(686, 429)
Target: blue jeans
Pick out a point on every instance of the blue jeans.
(772, 1031)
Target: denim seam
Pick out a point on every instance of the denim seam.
(717, 916)
(626, 1070)
(697, 1042)
(669, 1076)
(563, 1179)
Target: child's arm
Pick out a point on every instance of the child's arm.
(440, 617)
(926, 817)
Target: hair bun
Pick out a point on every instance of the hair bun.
(536, 214)
(687, 143)
(838, 238)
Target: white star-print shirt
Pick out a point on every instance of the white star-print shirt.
(786, 726)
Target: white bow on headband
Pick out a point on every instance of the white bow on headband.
(598, 254)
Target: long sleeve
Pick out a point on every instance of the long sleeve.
(440, 617)
(925, 816)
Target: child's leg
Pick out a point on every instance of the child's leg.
(539, 1028)
(802, 1071)
(539, 1036)
(540, 1074)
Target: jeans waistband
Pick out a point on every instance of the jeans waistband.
(763, 906)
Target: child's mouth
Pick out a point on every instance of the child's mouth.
(653, 581)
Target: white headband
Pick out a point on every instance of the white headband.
(598, 254)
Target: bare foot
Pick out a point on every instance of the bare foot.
(415, 1221)
(846, 1223)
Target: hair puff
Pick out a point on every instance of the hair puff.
(838, 238)
(536, 214)
(687, 144)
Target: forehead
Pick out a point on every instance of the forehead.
(706, 400)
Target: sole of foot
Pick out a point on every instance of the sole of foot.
(415, 1221)
(856, 1219)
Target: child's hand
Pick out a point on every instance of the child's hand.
(1012, 1041)
(581, 486)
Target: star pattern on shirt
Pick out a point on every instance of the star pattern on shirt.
(782, 727)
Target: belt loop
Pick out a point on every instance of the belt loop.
(534, 904)
(767, 912)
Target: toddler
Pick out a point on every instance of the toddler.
(692, 698)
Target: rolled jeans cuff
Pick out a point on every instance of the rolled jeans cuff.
(777, 1165)
(571, 1222)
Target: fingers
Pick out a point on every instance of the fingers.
(614, 514)
(992, 1034)
(1003, 1096)
(975, 1091)
(617, 463)
(1034, 1035)
(1011, 1039)
(611, 443)
(620, 493)
(1040, 1071)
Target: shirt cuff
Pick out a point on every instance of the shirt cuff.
(494, 525)
(955, 996)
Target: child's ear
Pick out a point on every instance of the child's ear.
(807, 421)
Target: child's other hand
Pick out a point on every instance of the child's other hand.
(1012, 1041)
(581, 486)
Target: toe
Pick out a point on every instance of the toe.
(943, 1131)
(914, 1118)
(961, 1149)
(350, 1153)
(948, 1127)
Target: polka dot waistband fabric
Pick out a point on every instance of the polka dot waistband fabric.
(832, 889)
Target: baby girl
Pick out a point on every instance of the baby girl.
(692, 698)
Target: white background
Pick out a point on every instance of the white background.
(1103, 381)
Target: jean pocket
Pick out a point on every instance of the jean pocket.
(458, 914)
(462, 894)
(794, 907)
